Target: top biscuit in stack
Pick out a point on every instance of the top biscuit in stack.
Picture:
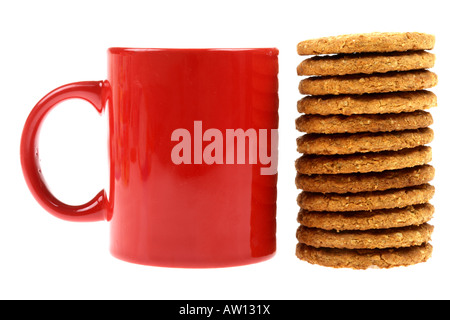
(364, 151)
(367, 42)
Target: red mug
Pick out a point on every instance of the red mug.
(192, 155)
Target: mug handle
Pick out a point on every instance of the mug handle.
(95, 92)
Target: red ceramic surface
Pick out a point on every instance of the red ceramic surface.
(181, 194)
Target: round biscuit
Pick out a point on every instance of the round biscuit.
(367, 239)
(361, 182)
(346, 143)
(364, 162)
(376, 103)
(364, 259)
(364, 201)
(367, 42)
(372, 83)
(363, 122)
(367, 220)
(366, 63)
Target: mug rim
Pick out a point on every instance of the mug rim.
(118, 50)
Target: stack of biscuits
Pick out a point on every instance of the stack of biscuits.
(364, 170)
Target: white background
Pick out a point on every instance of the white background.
(45, 44)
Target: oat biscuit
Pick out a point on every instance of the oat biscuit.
(395, 102)
(367, 42)
(364, 162)
(363, 122)
(373, 83)
(369, 239)
(367, 63)
(367, 220)
(364, 259)
(364, 201)
(345, 143)
(361, 182)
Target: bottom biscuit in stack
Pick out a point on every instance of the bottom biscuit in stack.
(364, 259)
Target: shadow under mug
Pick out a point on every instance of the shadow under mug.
(192, 155)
